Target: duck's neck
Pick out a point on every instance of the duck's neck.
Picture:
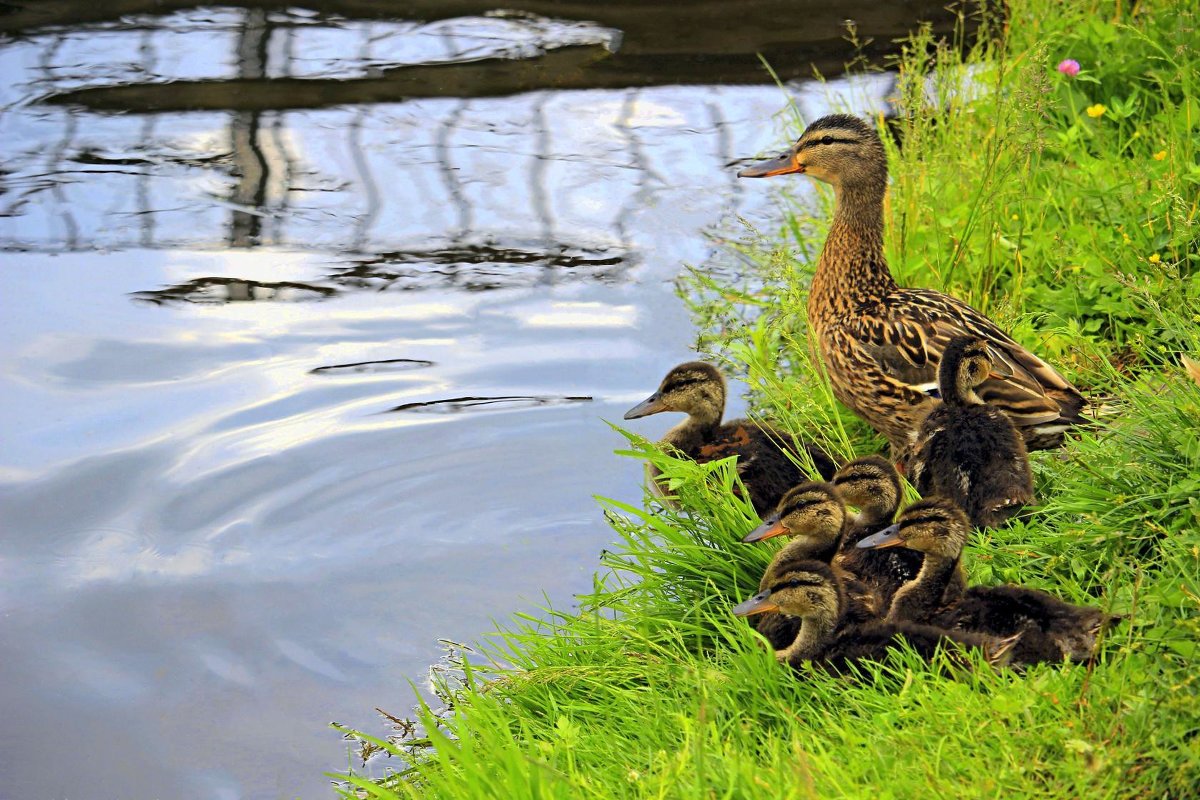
(815, 633)
(805, 547)
(920, 598)
(954, 393)
(694, 431)
(852, 269)
(957, 397)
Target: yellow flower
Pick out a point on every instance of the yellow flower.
(1016, 217)
(1155, 258)
(1126, 237)
(1096, 111)
(1160, 155)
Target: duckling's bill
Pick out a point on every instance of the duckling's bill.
(651, 405)
(784, 165)
(888, 537)
(759, 604)
(771, 526)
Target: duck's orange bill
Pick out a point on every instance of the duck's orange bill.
(783, 165)
(759, 604)
(771, 526)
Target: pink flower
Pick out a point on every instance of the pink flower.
(1069, 67)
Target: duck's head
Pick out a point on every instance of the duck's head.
(870, 484)
(839, 149)
(694, 388)
(811, 510)
(934, 526)
(798, 587)
(966, 363)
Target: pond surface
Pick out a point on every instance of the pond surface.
(307, 359)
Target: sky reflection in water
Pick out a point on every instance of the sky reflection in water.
(217, 540)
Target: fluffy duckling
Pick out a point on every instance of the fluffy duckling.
(698, 390)
(815, 518)
(1049, 629)
(967, 450)
(811, 591)
(935, 531)
(872, 485)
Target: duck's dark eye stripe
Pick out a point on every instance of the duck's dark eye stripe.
(853, 477)
(681, 382)
(827, 140)
(799, 505)
(794, 583)
(926, 520)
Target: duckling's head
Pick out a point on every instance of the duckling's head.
(694, 388)
(798, 587)
(872, 485)
(811, 510)
(934, 526)
(966, 363)
(839, 149)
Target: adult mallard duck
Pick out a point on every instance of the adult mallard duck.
(881, 343)
(766, 457)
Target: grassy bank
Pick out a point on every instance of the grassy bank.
(1066, 208)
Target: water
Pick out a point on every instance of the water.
(297, 383)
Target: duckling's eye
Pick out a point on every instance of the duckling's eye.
(826, 140)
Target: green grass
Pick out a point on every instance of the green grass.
(1074, 234)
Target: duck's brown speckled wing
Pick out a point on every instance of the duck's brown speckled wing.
(900, 340)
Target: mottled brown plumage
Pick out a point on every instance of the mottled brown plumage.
(810, 591)
(968, 451)
(764, 464)
(1049, 629)
(881, 343)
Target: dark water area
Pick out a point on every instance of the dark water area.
(312, 316)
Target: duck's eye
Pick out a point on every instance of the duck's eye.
(826, 140)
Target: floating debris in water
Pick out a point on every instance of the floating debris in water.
(454, 405)
(234, 290)
(374, 367)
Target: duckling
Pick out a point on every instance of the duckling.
(937, 529)
(881, 343)
(811, 591)
(698, 389)
(1049, 629)
(815, 517)
(872, 485)
(966, 450)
